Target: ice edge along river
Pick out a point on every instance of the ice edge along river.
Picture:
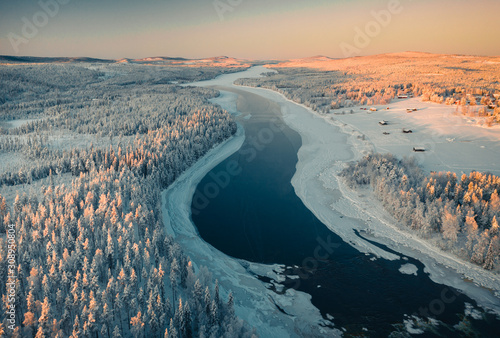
(326, 146)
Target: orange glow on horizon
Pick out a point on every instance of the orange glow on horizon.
(273, 31)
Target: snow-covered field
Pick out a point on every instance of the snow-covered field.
(327, 144)
(16, 123)
(452, 142)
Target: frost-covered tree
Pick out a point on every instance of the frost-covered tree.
(459, 215)
(94, 257)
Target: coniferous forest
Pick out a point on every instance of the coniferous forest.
(85, 151)
(459, 215)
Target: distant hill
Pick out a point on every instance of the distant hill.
(218, 61)
(470, 82)
(160, 58)
(37, 59)
(409, 59)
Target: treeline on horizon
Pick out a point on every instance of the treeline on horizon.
(459, 215)
(93, 258)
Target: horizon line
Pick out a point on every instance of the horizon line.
(240, 58)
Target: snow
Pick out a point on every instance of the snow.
(416, 325)
(227, 101)
(228, 79)
(471, 312)
(327, 144)
(12, 161)
(9, 192)
(409, 324)
(16, 123)
(452, 142)
(408, 269)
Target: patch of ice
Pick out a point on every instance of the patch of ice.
(410, 325)
(227, 101)
(471, 312)
(408, 269)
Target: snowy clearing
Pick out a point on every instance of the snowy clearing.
(451, 141)
(16, 123)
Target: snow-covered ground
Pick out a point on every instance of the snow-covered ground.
(16, 123)
(452, 141)
(327, 144)
(35, 188)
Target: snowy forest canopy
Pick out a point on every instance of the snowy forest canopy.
(92, 257)
(459, 215)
